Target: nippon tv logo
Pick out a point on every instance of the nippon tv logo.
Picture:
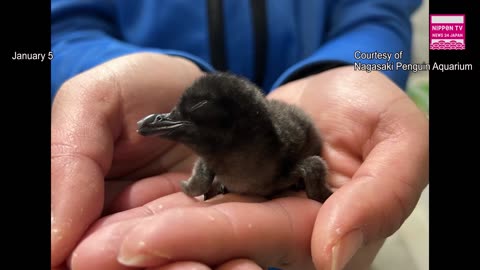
(447, 32)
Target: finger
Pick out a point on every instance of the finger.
(245, 228)
(99, 248)
(146, 190)
(81, 152)
(239, 264)
(174, 200)
(383, 191)
(182, 266)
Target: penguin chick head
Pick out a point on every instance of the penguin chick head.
(217, 111)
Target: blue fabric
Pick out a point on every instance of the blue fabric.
(86, 33)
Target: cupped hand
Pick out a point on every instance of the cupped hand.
(377, 150)
(94, 138)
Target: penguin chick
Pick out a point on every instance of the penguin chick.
(246, 143)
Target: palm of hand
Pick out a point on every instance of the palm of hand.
(357, 126)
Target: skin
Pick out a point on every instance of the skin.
(376, 148)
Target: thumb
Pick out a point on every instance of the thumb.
(382, 193)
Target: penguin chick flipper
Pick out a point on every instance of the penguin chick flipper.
(200, 181)
(313, 171)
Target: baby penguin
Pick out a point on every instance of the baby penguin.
(246, 144)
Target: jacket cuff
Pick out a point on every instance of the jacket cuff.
(202, 64)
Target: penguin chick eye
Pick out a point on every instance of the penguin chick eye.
(213, 114)
(198, 105)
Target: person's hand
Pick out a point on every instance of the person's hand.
(377, 150)
(94, 138)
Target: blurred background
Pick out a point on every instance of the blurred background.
(408, 247)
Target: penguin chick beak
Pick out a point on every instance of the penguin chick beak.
(159, 125)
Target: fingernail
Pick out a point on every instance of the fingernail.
(135, 260)
(137, 256)
(344, 250)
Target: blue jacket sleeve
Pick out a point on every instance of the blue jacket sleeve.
(84, 35)
(365, 26)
